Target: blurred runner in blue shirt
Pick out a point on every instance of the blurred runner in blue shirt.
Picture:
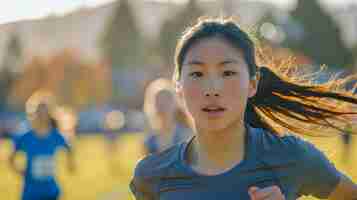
(40, 146)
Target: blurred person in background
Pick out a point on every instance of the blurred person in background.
(40, 145)
(167, 125)
(114, 121)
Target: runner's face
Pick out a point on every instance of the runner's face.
(41, 116)
(215, 85)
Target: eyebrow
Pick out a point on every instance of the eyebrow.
(200, 63)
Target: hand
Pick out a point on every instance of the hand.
(268, 193)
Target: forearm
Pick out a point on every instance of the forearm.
(13, 165)
(71, 164)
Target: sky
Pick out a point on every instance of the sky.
(15, 10)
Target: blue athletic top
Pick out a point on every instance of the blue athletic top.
(289, 162)
(39, 179)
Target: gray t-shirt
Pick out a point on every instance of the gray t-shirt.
(293, 164)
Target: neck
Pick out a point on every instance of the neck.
(215, 152)
(43, 129)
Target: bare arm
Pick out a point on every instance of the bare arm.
(345, 189)
(13, 165)
(71, 164)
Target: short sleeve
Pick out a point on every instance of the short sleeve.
(19, 143)
(318, 176)
(140, 185)
(141, 190)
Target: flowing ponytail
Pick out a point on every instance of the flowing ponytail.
(300, 108)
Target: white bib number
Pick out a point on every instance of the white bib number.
(43, 167)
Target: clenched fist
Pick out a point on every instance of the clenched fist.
(268, 193)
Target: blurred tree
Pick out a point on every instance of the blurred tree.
(123, 46)
(230, 7)
(6, 80)
(122, 42)
(13, 57)
(271, 34)
(10, 65)
(354, 52)
(321, 36)
(74, 81)
(173, 28)
(266, 31)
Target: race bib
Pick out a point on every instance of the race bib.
(43, 167)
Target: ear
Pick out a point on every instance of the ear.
(253, 85)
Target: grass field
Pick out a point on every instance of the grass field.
(95, 180)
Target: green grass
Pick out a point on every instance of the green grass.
(95, 180)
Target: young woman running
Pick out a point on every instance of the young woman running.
(40, 146)
(239, 112)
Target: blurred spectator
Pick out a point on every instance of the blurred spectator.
(165, 127)
(40, 146)
(113, 122)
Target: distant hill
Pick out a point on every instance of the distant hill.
(81, 28)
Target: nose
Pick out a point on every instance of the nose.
(208, 94)
(213, 88)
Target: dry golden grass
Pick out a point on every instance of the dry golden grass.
(95, 180)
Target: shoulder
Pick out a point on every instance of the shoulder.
(20, 141)
(152, 168)
(56, 132)
(269, 140)
(288, 144)
(157, 164)
(292, 147)
(57, 135)
(26, 136)
(60, 139)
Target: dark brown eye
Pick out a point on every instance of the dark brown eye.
(229, 73)
(196, 74)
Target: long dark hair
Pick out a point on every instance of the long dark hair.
(53, 123)
(280, 101)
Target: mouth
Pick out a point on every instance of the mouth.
(213, 109)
